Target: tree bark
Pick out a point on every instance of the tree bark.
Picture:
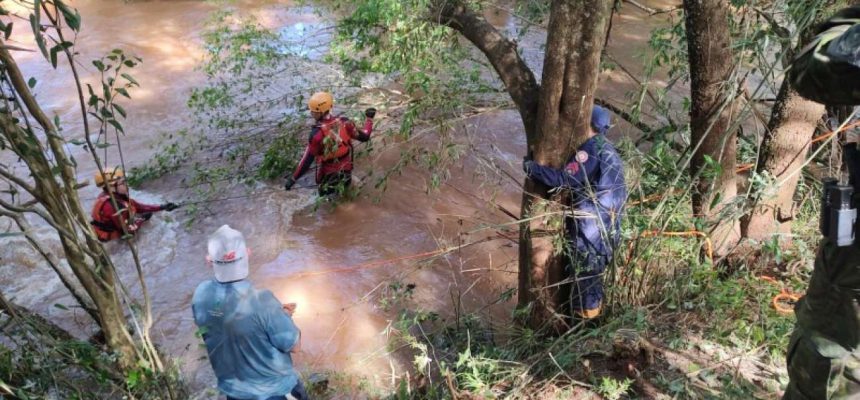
(713, 106)
(786, 142)
(502, 53)
(571, 65)
(555, 117)
(784, 148)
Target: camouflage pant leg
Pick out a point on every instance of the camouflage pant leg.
(824, 353)
(821, 369)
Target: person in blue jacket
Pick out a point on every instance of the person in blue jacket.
(250, 336)
(595, 177)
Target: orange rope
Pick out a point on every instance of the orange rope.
(744, 167)
(825, 136)
(373, 264)
(784, 296)
(747, 167)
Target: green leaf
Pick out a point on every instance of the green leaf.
(123, 92)
(133, 379)
(77, 142)
(106, 92)
(54, 56)
(116, 125)
(72, 17)
(118, 109)
(716, 200)
(99, 64)
(61, 307)
(57, 121)
(105, 112)
(37, 33)
(103, 145)
(7, 31)
(130, 79)
(31, 83)
(96, 116)
(129, 63)
(10, 234)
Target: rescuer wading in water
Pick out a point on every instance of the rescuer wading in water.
(330, 146)
(106, 221)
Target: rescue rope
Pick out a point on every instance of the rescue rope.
(709, 248)
(267, 192)
(783, 296)
(387, 261)
(819, 138)
(749, 166)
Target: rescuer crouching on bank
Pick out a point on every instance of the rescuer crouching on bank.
(106, 221)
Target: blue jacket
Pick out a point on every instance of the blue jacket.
(595, 177)
(248, 337)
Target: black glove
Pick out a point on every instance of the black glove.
(289, 183)
(169, 206)
(527, 165)
(370, 112)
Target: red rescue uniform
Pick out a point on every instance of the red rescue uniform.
(106, 221)
(330, 146)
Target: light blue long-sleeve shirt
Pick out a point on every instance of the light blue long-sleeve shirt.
(248, 337)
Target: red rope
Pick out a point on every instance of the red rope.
(784, 296)
(373, 264)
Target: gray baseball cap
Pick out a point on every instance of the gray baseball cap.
(228, 254)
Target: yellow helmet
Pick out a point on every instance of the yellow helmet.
(321, 102)
(112, 174)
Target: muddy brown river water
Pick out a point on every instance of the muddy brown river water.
(344, 327)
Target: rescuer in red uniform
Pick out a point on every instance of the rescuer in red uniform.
(330, 146)
(106, 221)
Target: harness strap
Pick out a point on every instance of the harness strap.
(104, 226)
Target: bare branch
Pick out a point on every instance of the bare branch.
(82, 299)
(501, 51)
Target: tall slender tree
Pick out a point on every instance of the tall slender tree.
(714, 137)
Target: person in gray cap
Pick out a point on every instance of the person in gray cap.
(249, 334)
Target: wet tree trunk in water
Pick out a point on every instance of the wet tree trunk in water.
(555, 116)
(713, 106)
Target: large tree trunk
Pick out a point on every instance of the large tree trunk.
(571, 65)
(555, 118)
(783, 152)
(713, 107)
(786, 142)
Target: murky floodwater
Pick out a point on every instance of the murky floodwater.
(293, 244)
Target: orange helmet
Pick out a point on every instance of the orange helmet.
(111, 175)
(321, 102)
